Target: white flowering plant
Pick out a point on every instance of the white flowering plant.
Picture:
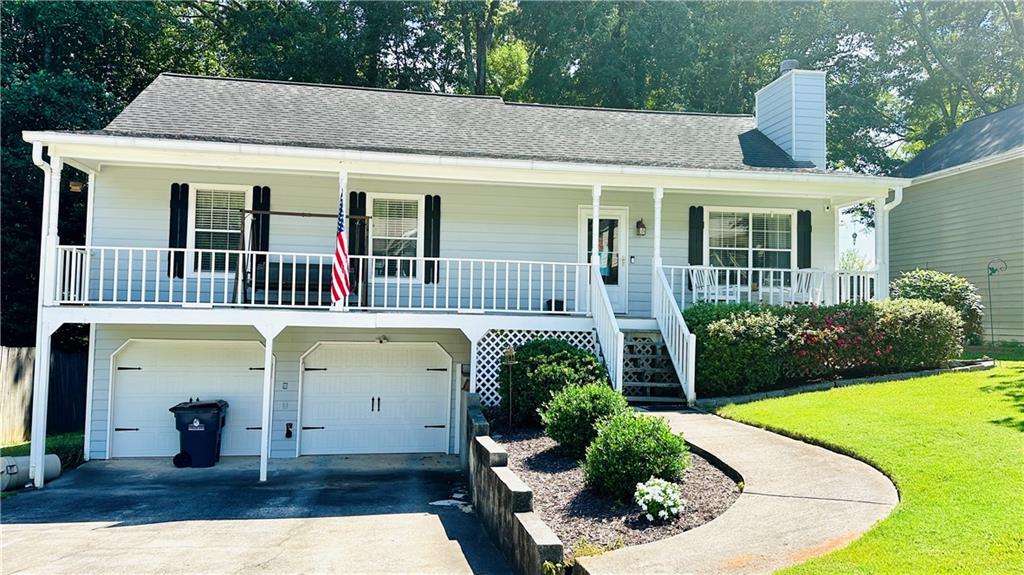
(659, 500)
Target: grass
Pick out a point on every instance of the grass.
(954, 446)
(67, 446)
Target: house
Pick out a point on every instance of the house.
(473, 224)
(963, 213)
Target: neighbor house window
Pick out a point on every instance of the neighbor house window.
(395, 236)
(217, 225)
(750, 239)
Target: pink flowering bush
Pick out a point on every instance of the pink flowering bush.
(744, 350)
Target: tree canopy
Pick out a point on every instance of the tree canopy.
(901, 74)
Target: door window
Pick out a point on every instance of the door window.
(607, 248)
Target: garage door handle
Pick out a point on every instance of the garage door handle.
(304, 427)
(435, 426)
(253, 428)
(437, 369)
(126, 429)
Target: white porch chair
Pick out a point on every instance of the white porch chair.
(808, 287)
(705, 286)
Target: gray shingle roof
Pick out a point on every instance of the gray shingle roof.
(976, 139)
(336, 117)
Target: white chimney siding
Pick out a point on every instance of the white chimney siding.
(791, 111)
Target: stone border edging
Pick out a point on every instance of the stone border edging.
(504, 502)
(715, 402)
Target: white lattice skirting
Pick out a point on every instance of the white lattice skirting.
(493, 344)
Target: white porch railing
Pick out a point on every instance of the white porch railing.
(231, 278)
(690, 284)
(609, 336)
(681, 344)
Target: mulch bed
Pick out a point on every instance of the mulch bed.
(576, 513)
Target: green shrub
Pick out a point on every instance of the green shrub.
(832, 341)
(631, 448)
(543, 367)
(917, 334)
(700, 315)
(745, 352)
(949, 289)
(571, 417)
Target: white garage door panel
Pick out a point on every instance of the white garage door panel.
(172, 372)
(359, 398)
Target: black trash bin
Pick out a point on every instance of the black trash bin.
(199, 425)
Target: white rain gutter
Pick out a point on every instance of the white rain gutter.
(458, 161)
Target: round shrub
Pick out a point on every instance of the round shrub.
(744, 352)
(631, 448)
(917, 334)
(543, 367)
(949, 289)
(572, 415)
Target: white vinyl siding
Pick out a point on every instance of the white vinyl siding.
(478, 220)
(791, 111)
(956, 225)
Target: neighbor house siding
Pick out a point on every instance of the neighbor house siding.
(289, 346)
(957, 224)
(479, 220)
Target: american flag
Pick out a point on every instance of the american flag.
(339, 278)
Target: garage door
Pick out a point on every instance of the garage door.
(152, 376)
(374, 398)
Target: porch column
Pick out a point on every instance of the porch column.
(474, 333)
(51, 206)
(269, 332)
(40, 400)
(659, 193)
(595, 225)
(881, 249)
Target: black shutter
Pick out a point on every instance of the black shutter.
(431, 235)
(178, 230)
(803, 239)
(260, 240)
(357, 239)
(696, 240)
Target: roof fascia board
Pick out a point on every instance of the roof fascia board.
(969, 166)
(588, 173)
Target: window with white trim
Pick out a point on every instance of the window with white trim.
(217, 225)
(395, 236)
(750, 239)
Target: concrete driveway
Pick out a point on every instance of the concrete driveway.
(342, 514)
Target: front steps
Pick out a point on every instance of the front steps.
(647, 372)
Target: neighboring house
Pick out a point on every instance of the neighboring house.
(963, 208)
(471, 224)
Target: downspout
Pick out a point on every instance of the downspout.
(37, 450)
(886, 208)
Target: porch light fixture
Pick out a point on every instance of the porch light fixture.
(641, 228)
(75, 186)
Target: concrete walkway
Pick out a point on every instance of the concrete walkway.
(799, 501)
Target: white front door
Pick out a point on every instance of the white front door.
(612, 250)
(152, 376)
(375, 398)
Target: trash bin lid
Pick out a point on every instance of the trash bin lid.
(186, 406)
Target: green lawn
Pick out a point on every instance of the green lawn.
(954, 446)
(67, 446)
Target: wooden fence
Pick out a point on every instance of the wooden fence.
(66, 409)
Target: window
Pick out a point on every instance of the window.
(745, 239)
(217, 225)
(395, 235)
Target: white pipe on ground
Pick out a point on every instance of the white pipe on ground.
(14, 471)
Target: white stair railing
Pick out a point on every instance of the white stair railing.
(609, 336)
(681, 343)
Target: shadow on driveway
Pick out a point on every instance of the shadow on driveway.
(356, 502)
